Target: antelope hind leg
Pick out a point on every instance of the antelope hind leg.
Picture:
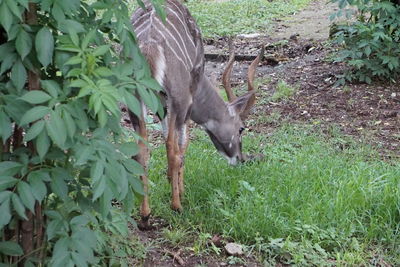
(183, 144)
(173, 163)
(142, 158)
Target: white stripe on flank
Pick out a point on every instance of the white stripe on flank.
(184, 25)
(140, 33)
(173, 38)
(143, 25)
(173, 51)
(159, 71)
(183, 42)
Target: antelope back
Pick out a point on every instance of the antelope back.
(173, 49)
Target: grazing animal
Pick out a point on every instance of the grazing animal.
(175, 53)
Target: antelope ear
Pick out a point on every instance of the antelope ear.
(238, 106)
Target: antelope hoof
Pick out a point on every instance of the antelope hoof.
(144, 223)
(176, 207)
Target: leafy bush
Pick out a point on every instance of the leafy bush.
(371, 45)
(63, 158)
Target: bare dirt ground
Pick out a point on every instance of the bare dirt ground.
(297, 52)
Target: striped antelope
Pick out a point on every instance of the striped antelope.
(174, 51)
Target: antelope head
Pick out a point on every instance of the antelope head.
(226, 134)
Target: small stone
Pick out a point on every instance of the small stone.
(249, 36)
(234, 249)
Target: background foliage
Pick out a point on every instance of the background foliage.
(371, 44)
(63, 155)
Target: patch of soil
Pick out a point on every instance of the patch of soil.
(162, 253)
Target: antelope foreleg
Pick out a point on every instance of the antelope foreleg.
(173, 163)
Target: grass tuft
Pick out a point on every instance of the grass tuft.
(283, 91)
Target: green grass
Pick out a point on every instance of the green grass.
(314, 198)
(232, 17)
(240, 16)
(283, 91)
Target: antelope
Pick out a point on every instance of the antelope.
(175, 53)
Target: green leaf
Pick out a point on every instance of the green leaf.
(151, 84)
(34, 114)
(102, 117)
(69, 123)
(103, 72)
(68, 25)
(23, 44)
(98, 188)
(6, 17)
(53, 227)
(74, 60)
(5, 212)
(148, 98)
(101, 50)
(133, 167)
(10, 168)
(18, 206)
(39, 189)
(56, 129)
(11, 248)
(6, 49)
(74, 38)
(52, 87)
(96, 171)
(57, 12)
(24, 3)
(19, 75)
(25, 193)
(35, 97)
(83, 154)
(132, 103)
(44, 44)
(42, 144)
(12, 5)
(78, 83)
(88, 38)
(7, 182)
(5, 126)
(79, 259)
(5, 195)
(34, 130)
(8, 62)
(129, 149)
(59, 187)
(137, 185)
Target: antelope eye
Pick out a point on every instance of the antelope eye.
(241, 130)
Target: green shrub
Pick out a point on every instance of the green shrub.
(63, 154)
(371, 45)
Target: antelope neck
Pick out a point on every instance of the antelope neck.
(208, 107)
